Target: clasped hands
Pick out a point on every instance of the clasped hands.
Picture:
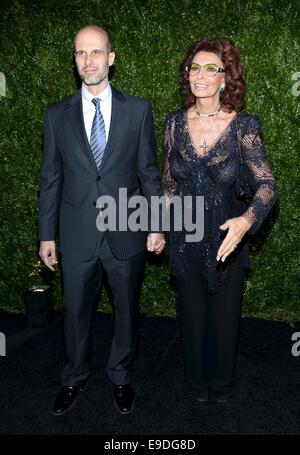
(237, 228)
(155, 242)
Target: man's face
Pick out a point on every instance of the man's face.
(92, 57)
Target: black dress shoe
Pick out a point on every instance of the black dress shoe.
(202, 394)
(67, 398)
(123, 398)
(220, 395)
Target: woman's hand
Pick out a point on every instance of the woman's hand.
(237, 228)
(156, 242)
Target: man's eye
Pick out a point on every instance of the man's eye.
(97, 52)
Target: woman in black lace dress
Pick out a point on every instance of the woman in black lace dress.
(204, 144)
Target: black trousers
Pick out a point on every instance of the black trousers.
(209, 324)
(82, 284)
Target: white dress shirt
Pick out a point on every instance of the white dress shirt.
(89, 109)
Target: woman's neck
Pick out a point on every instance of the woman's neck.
(207, 105)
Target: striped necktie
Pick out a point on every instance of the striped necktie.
(98, 139)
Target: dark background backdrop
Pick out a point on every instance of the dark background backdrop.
(150, 40)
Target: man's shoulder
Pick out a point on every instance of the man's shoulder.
(64, 103)
(132, 99)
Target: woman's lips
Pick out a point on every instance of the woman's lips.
(200, 86)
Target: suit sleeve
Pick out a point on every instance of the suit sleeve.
(148, 172)
(50, 184)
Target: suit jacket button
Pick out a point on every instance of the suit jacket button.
(98, 178)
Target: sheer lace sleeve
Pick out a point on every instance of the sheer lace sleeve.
(169, 184)
(260, 176)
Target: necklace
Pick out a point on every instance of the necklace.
(204, 145)
(202, 114)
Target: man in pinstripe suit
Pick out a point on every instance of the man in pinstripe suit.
(71, 181)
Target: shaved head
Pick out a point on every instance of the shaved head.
(93, 57)
(96, 28)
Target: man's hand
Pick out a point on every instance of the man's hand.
(237, 228)
(47, 253)
(156, 242)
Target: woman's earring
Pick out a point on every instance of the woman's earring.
(221, 89)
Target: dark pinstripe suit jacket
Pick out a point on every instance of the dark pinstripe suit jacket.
(70, 183)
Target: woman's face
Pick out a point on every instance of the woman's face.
(202, 83)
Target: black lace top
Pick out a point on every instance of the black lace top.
(213, 176)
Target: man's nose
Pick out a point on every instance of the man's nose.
(88, 59)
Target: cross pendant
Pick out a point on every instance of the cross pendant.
(204, 146)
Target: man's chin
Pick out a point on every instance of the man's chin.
(91, 81)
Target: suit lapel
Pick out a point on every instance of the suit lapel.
(76, 115)
(116, 123)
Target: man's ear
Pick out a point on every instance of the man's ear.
(111, 58)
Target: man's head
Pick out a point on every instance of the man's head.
(93, 55)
